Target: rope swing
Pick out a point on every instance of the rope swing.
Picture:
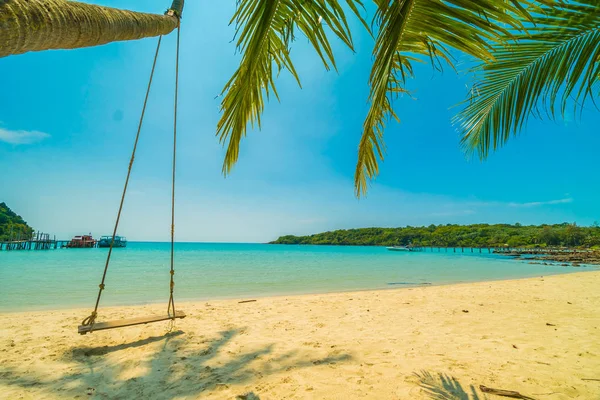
(89, 324)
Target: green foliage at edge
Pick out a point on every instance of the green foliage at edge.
(12, 224)
(479, 235)
(533, 55)
(554, 63)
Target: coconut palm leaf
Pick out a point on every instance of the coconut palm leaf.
(265, 30)
(556, 62)
(417, 30)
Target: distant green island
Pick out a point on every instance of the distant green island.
(12, 225)
(478, 235)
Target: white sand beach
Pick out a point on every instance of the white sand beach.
(538, 336)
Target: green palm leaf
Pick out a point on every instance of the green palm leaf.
(414, 30)
(265, 29)
(555, 62)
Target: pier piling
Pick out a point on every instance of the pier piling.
(38, 241)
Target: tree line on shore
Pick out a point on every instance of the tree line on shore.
(477, 235)
(12, 225)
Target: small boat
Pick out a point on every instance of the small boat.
(82, 242)
(120, 241)
(399, 248)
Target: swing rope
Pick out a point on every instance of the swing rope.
(92, 317)
(171, 305)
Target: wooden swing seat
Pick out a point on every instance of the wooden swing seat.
(121, 323)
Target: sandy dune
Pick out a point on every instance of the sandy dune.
(538, 336)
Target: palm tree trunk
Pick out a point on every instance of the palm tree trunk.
(34, 25)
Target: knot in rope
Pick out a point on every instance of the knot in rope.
(90, 320)
(176, 9)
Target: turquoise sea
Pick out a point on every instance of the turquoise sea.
(34, 280)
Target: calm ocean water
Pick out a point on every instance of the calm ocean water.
(32, 280)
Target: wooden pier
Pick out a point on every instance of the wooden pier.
(498, 250)
(440, 249)
(39, 241)
(540, 251)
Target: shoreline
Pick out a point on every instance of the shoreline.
(532, 335)
(35, 309)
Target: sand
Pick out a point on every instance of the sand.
(538, 336)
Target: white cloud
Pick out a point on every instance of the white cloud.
(542, 203)
(566, 200)
(22, 137)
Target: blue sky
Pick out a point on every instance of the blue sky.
(68, 120)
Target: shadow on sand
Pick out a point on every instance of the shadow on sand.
(443, 387)
(181, 364)
(100, 351)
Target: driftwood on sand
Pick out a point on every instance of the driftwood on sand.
(505, 393)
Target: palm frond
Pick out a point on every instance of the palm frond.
(557, 61)
(417, 30)
(265, 30)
